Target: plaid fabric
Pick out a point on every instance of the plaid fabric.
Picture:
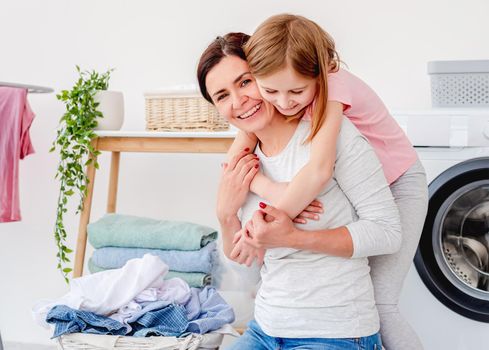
(68, 320)
(169, 321)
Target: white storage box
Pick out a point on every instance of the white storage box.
(459, 83)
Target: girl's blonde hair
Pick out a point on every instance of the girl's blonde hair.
(297, 41)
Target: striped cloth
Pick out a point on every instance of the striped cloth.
(68, 320)
(169, 321)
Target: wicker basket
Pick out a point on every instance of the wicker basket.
(166, 112)
(82, 341)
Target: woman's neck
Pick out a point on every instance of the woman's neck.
(276, 135)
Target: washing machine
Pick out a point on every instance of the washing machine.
(446, 293)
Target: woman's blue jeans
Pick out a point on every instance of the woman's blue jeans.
(255, 339)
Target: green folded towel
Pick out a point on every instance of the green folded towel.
(115, 230)
(194, 279)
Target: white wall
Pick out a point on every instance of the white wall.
(156, 43)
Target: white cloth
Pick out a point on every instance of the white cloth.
(105, 292)
(305, 294)
(174, 290)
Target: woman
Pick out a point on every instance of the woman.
(316, 290)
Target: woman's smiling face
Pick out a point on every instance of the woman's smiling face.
(235, 94)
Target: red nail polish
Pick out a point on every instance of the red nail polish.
(262, 205)
(246, 149)
(256, 166)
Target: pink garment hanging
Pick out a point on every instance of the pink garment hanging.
(15, 143)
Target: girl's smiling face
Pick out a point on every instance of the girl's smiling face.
(235, 94)
(287, 90)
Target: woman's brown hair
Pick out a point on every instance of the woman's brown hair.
(299, 42)
(230, 44)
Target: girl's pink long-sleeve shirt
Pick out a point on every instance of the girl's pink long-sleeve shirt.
(368, 113)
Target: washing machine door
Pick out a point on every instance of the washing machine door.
(453, 254)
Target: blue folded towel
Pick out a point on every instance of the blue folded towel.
(115, 230)
(203, 260)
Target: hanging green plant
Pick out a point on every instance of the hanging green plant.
(73, 142)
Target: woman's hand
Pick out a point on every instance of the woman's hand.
(270, 228)
(310, 212)
(235, 184)
(243, 253)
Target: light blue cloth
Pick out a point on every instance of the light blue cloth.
(68, 320)
(147, 307)
(202, 260)
(207, 311)
(115, 230)
(169, 321)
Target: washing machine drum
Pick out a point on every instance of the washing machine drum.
(453, 254)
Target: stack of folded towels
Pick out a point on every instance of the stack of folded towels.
(188, 249)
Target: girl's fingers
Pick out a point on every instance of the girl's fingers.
(308, 215)
(259, 259)
(313, 209)
(249, 261)
(316, 203)
(299, 221)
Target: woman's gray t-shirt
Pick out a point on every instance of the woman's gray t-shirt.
(306, 294)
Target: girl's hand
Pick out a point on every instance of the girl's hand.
(235, 183)
(243, 253)
(310, 212)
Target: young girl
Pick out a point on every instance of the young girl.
(297, 69)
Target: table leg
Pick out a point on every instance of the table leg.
(113, 182)
(81, 243)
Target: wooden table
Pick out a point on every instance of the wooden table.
(144, 141)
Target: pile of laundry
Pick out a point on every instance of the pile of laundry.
(135, 300)
(189, 249)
